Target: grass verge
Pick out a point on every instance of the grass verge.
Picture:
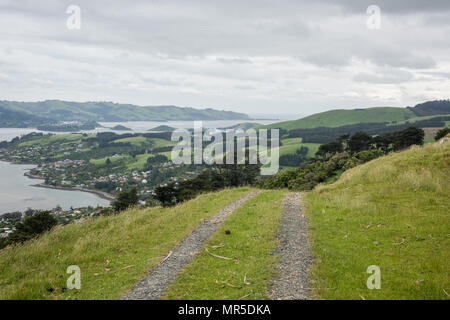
(392, 212)
(113, 253)
(253, 230)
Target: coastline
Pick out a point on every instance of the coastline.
(100, 194)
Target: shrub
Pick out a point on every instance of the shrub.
(32, 226)
(442, 133)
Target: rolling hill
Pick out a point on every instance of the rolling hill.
(339, 118)
(56, 110)
(391, 212)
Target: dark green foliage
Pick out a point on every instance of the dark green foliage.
(294, 160)
(88, 125)
(32, 226)
(126, 200)
(359, 141)
(325, 134)
(430, 108)
(219, 177)
(159, 158)
(442, 133)
(342, 154)
(405, 138)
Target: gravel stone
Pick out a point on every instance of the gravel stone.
(292, 282)
(154, 285)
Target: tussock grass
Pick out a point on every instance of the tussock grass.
(252, 239)
(392, 212)
(113, 253)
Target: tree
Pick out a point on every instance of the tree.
(33, 226)
(126, 200)
(294, 160)
(108, 162)
(442, 133)
(408, 137)
(166, 194)
(328, 150)
(236, 175)
(359, 141)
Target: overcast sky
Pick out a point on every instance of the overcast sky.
(293, 57)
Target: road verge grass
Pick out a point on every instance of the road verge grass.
(113, 252)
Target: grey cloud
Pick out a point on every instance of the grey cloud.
(385, 77)
(205, 52)
(393, 6)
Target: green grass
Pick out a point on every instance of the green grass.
(253, 237)
(140, 141)
(69, 137)
(102, 161)
(337, 118)
(136, 141)
(392, 212)
(415, 118)
(113, 253)
(291, 145)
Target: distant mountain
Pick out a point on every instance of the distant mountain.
(17, 119)
(431, 108)
(56, 110)
(339, 118)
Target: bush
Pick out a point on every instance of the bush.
(126, 200)
(442, 133)
(32, 227)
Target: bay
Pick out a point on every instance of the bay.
(18, 194)
(7, 134)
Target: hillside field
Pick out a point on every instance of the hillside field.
(338, 118)
(392, 212)
(113, 252)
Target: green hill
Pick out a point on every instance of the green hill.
(338, 118)
(113, 252)
(57, 110)
(391, 212)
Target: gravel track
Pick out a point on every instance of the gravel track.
(154, 285)
(292, 269)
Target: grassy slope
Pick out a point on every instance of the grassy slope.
(337, 118)
(64, 137)
(291, 145)
(253, 229)
(392, 212)
(112, 252)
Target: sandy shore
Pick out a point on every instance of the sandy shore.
(98, 193)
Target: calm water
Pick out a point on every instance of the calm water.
(17, 194)
(135, 126)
